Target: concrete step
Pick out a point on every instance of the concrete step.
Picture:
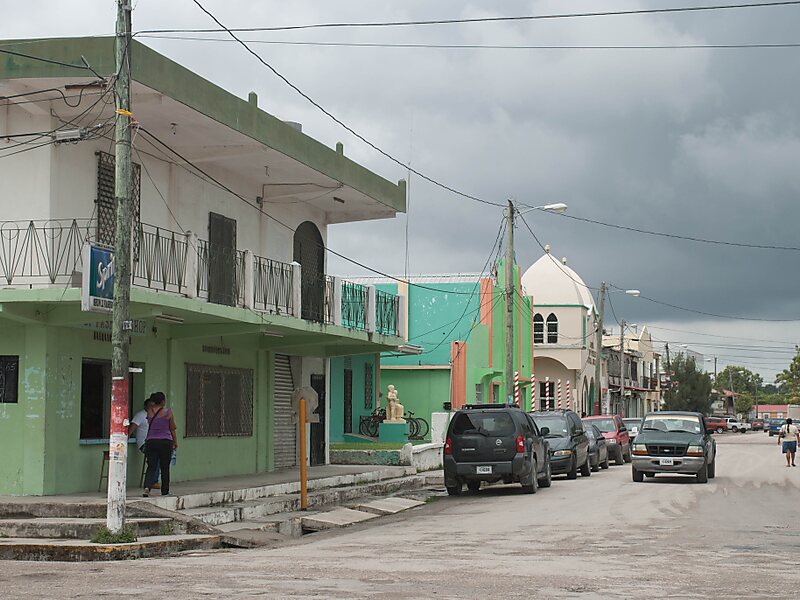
(76, 550)
(224, 497)
(77, 528)
(334, 519)
(258, 509)
(388, 506)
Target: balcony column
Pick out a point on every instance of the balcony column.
(402, 317)
(249, 280)
(297, 300)
(371, 309)
(337, 301)
(191, 264)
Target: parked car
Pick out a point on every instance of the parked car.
(616, 434)
(674, 442)
(494, 442)
(757, 424)
(632, 425)
(735, 425)
(718, 424)
(569, 444)
(775, 426)
(598, 447)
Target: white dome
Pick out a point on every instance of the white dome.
(551, 282)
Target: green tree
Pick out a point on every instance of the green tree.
(738, 380)
(691, 388)
(790, 378)
(743, 403)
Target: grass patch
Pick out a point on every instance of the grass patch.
(104, 536)
(166, 528)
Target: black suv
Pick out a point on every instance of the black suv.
(569, 445)
(494, 442)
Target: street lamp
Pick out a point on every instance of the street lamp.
(558, 208)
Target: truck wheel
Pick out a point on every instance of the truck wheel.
(454, 490)
(734, 429)
(548, 478)
(743, 430)
(627, 456)
(638, 476)
(530, 488)
(719, 429)
(618, 458)
(702, 474)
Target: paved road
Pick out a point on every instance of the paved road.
(597, 537)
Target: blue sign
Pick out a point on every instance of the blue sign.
(98, 279)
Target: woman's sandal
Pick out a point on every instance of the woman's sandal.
(146, 493)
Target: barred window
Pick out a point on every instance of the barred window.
(219, 401)
(9, 379)
(538, 329)
(106, 204)
(552, 329)
(369, 392)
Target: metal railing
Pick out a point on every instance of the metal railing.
(354, 305)
(387, 309)
(162, 258)
(273, 282)
(42, 252)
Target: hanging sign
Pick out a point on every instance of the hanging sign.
(98, 279)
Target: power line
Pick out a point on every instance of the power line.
(681, 237)
(644, 11)
(731, 337)
(45, 60)
(483, 46)
(341, 123)
(147, 134)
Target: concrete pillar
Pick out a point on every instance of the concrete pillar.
(402, 317)
(249, 276)
(191, 264)
(337, 301)
(297, 300)
(371, 315)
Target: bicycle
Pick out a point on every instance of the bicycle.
(417, 427)
(369, 425)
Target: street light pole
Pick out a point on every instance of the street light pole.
(599, 352)
(509, 271)
(622, 363)
(118, 438)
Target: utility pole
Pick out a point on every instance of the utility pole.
(118, 445)
(598, 344)
(669, 374)
(622, 364)
(509, 270)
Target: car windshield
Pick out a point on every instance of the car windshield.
(557, 424)
(489, 423)
(672, 423)
(632, 423)
(604, 425)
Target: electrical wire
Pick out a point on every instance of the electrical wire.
(341, 123)
(681, 237)
(731, 337)
(44, 60)
(482, 46)
(643, 11)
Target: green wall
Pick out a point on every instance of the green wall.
(42, 450)
(358, 366)
(421, 391)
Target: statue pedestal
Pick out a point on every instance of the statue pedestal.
(393, 432)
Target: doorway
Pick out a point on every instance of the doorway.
(222, 288)
(317, 454)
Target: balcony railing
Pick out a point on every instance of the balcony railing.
(49, 253)
(36, 253)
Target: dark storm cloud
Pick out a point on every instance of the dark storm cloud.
(696, 142)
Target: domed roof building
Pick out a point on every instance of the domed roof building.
(564, 324)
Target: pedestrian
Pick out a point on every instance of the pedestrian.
(139, 427)
(161, 441)
(789, 437)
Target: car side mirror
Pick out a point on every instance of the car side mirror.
(544, 430)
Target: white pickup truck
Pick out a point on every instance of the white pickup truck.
(735, 425)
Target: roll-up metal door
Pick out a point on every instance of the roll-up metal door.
(285, 446)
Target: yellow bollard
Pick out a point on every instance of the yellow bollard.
(303, 472)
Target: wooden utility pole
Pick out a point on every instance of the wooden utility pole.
(598, 345)
(510, 291)
(668, 393)
(622, 364)
(118, 445)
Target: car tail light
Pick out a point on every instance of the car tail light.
(520, 444)
(448, 447)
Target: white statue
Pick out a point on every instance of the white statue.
(394, 410)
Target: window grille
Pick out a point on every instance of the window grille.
(219, 401)
(552, 329)
(368, 386)
(538, 329)
(9, 379)
(348, 401)
(106, 204)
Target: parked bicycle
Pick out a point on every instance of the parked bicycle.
(417, 427)
(369, 425)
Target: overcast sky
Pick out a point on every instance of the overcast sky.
(696, 142)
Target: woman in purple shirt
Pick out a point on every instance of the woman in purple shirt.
(161, 441)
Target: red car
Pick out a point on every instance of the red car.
(617, 436)
(718, 424)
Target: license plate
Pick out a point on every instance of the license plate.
(483, 470)
(666, 462)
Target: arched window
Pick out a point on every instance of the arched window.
(309, 251)
(538, 329)
(552, 329)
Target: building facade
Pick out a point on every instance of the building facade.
(231, 307)
(642, 367)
